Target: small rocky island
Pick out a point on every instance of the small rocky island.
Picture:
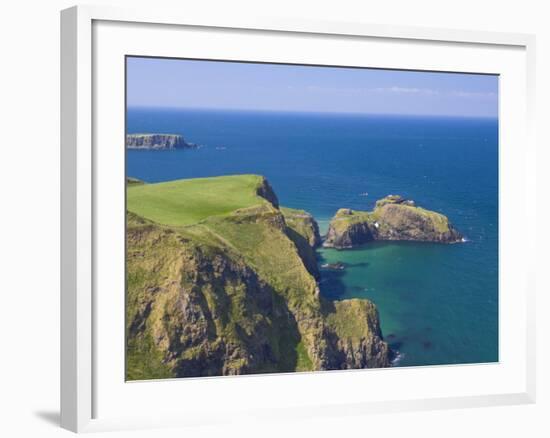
(393, 218)
(338, 266)
(157, 142)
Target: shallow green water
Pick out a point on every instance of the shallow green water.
(429, 316)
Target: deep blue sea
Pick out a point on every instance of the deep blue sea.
(438, 303)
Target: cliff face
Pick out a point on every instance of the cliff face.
(349, 321)
(303, 223)
(233, 294)
(200, 309)
(264, 190)
(157, 141)
(393, 218)
(303, 230)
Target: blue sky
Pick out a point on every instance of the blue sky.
(156, 82)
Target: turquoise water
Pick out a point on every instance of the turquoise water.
(438, 304)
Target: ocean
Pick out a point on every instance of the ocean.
(438, 303)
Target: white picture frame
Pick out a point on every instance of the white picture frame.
(83, 383)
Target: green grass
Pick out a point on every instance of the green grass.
(144, 361)
(342, 221)
(303, 361)
(353, 319)
(440, 222)
(266, 249)
(299, 221)
(188, 201)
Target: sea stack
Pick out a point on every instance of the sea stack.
(393, 218)
(157, 142)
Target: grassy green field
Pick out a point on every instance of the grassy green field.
(188, 201)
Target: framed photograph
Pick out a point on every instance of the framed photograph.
(271, 218)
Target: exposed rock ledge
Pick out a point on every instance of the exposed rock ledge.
(157, 141)
(393, 218)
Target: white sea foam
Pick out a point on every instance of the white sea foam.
(397, 359)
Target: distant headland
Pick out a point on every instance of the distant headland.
(157, 142)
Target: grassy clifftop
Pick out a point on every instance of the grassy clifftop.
(185, 202)
(219, 283)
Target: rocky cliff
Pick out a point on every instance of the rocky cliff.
(303, 230)
(264, 190)
(233, 294)
(393, 218)
(304, 224)
(349, 322)
(157, 141)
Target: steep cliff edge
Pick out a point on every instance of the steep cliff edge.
(232, 294)
(393, 218)
(357, 341)
(303, 230)
(304, 224)
(157, 141)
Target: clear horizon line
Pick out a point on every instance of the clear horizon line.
(357, 113)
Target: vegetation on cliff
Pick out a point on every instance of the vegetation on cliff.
(303, 230)
(220, 281)
(393, 218)
(304, 224)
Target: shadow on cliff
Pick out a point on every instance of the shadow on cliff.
(271, 347)
(288, 336)
(305, 251)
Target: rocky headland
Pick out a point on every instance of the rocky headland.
(393, 218)
(157, 141)
(236, 293)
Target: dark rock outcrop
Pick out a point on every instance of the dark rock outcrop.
(347, 234)
(393, 218)
(157, 141)
(266, 191)
(133, 181)
(350, 348)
